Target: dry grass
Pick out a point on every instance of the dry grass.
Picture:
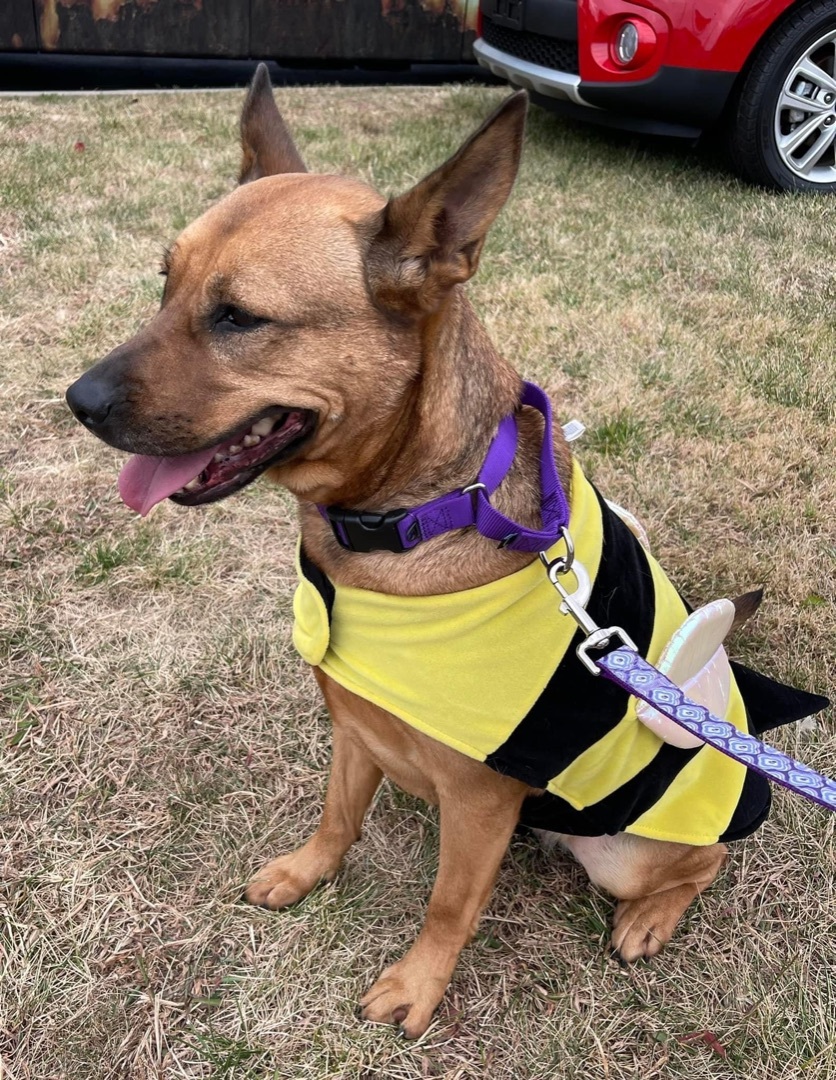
(160, 738)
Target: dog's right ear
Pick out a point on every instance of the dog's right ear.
(430, 238)
(266, 144)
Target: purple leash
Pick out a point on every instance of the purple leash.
(634, 674)
(628, 669)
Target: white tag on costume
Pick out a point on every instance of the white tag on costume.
(695, 660)
(573, 430)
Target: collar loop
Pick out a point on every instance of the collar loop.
(403, 529)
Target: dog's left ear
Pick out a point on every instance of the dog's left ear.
(266, 144)
(430, 238)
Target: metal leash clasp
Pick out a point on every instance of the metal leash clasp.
(574, 603)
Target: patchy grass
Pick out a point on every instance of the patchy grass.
(159, 738)
(621, 435)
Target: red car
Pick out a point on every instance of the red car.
(762, 71)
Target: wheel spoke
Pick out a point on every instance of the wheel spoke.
(817, 150)
(791, 142)
(816, 75)
(791, 100)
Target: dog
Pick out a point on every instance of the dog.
(317, 333)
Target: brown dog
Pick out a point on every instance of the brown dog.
(326, 331)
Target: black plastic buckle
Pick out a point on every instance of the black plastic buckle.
(360, 530)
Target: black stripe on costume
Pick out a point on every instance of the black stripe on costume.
(771, 704)
(752, 808)
(576, 709)
(613, 814)
(323, 585)
(618, 810)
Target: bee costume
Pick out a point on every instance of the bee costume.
(492, 673)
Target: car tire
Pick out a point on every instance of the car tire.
(781, 129)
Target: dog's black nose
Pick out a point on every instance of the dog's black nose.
(91, 400)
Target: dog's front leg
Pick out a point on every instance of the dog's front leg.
(353, 781)
(475, 831)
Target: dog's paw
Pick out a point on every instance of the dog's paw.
(404, 995)
(284, 881)
(642, 927)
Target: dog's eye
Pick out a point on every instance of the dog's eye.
(229, 317)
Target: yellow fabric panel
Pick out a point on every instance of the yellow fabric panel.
(698, 805)
(412, 655)
(630, 746)
(311, 632)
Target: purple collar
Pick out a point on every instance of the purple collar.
(402, 530)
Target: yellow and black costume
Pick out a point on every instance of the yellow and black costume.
(492, 672)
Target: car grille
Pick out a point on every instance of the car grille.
(548, 52)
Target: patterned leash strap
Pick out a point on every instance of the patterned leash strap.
(634, 674)
(628, 669)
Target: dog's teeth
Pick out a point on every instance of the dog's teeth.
(218, 457)
(263, 427)
(252, 440)
(192, 484)
(235, 450)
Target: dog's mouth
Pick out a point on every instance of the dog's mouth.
(217, 471)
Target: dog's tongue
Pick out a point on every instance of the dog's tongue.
(145, 481)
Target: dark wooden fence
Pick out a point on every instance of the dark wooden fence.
(319, 31)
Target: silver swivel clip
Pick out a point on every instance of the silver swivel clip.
(574, 603)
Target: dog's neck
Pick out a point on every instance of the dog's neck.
(447, 415)
(436, 441)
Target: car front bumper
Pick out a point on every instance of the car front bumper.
(674, 101)
(534, 77)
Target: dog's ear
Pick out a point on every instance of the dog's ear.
(430, 238)
(266, 144)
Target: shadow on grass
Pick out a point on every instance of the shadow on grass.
(703, 161)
